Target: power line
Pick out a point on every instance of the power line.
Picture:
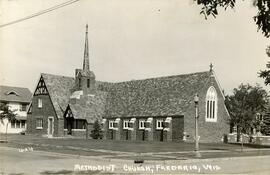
(40, 13)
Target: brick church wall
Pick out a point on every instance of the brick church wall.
(46, 111)
(208, 131)
(177, 128)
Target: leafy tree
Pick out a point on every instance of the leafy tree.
(6, 113)
(243, 105)
(96, 133)
(262, 18)
(266, 124)
(265, 74)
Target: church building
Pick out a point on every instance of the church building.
(154, 109)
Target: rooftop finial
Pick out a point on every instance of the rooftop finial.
(211, 67)
(86, 51)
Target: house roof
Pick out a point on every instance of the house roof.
(59, 88)
(170, 95)
(90, 107)
(15, 94)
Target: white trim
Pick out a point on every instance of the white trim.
(117, 120)
(103, 121)
(142, 121)
(39, 127)
(168, 120)
(125, 122)
(149, 120)
(12, 92)
(76, 129)
(48, 130)
(131, 129)
(166, 129)
(111, 124)
(132, 120)
(159, 122)
(147, 129)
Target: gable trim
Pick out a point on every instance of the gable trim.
(48, 93)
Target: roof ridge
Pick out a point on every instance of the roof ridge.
(56, 75)
(14, 87)
(170, 76)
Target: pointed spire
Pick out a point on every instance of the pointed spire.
(86, 51)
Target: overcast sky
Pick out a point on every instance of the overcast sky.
(130, 39)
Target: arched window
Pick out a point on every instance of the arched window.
(211, 105)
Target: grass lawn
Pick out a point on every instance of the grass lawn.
(114, 149)
(123, 146)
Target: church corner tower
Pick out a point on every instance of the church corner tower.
(84, 78)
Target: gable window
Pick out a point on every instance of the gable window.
(111, 124)
(211, 105)
(39, 123)
(12, 93)
(141, 124)
(159, 124)
(88, 83)
(39, 103)
(125, 124)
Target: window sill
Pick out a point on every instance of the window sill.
(39, 128)
(211, 120)
(76, 129)
(159, 128)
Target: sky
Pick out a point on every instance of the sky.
(130, 39)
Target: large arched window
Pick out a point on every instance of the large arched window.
(211, 105)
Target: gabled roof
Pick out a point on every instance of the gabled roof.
(15, 94)
(59, 88)
(170, 95)
(90, 107)
(161, 96)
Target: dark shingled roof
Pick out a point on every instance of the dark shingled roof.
(170, 95)
(161, 96)
(59, 90)
(15, 94)
(91, 107)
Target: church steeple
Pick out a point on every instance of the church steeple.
(85, 79)
(86, 52)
